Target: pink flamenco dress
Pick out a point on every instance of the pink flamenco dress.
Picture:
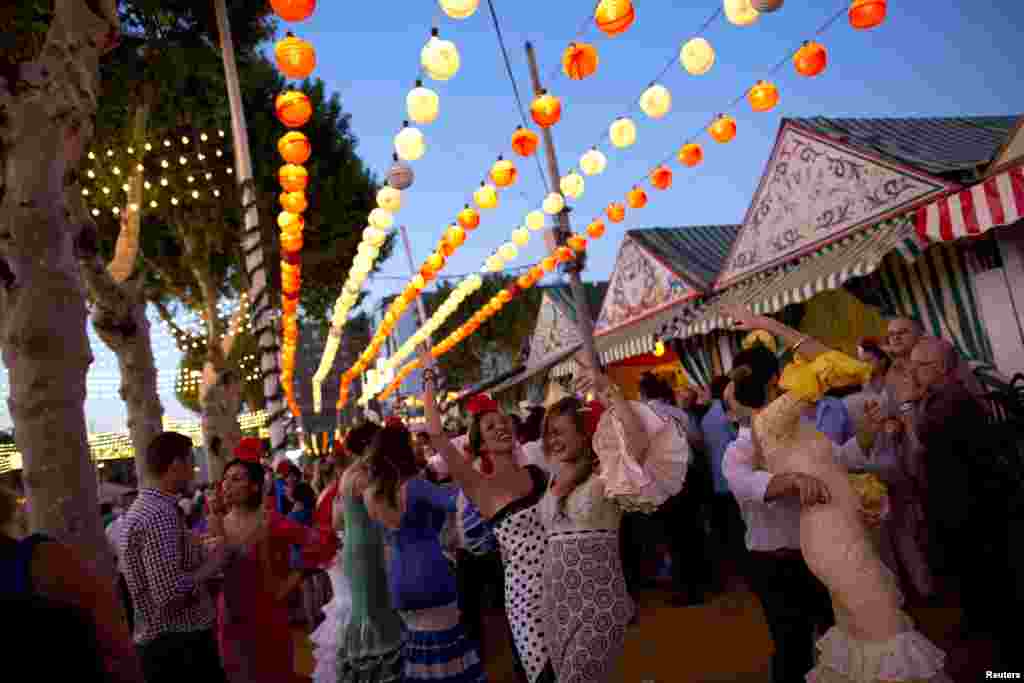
(873, 640)
(255, 637)
(586, 605)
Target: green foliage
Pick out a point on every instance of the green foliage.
(23, 27)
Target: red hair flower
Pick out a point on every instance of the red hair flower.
(249, 449)
(592, 412)
(480, 404)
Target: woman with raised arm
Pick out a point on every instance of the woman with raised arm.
(873, 639)
(507, 498)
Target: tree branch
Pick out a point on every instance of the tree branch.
(168, 317)
(233, 329)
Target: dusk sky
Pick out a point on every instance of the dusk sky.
(927, 59)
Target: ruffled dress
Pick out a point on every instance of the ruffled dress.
(873, 639)
(326, 638)
(586, 605)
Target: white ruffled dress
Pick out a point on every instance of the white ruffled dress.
(326, 638)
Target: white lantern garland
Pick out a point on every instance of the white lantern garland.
(622, 132)
(656, 101)
(593, 162)
(382, 219)
(572, 185)
(535, 220)
(410, 144)
(459, 9)
(553, 204)
(697, 56)
(740, 12)
(440, 58)
(422, 104)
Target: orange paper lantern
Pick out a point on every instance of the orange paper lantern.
(293, 108)
(504, 296)
(294, 147)
(723, 129)
(435, 262)
(446, 248)
(290, 222)
(468, 218)
(661, 177)
(546, 110)
(536, 273)
(294, 202)
(428, 273)
(637, 198)
(866, 14)
(564, 254)
(524, 281)
(616, 212)
(763, 96)
(691, 154)
(503, 172)
(577, 243)
(293, 178)
(455, 236)
(614, 17)
(291, 241)
(524, 142)
(811, 59)
(548, 264)
(579, 60)
(596, 228)
(296, 57)
(293, 10)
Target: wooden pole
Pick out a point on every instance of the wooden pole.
(584, 319)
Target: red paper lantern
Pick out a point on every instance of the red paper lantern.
(546, 110)
(811, 59)
(294, 147)
(468, 218)
(296, 57)
(691, 154)
(524, 142)
(614, 17)
(661, 177)
(579, 60)
(596, 229)
(636, 198)
(723, 129)
(867, 14)
(293, 10)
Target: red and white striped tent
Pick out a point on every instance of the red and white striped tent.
(992, 203)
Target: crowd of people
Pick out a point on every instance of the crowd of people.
(823, 485)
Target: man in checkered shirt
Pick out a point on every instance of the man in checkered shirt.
(166, 569)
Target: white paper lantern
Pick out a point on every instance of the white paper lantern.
(459, 9)
(368, 249)
(440, 58)
(740, 12)
(766, 6)
(410, 144)
(572, 185)
(697, 56)
(362, 263)
(521, 237)
(553, 204)
(535, 220)
(494, 264)
(656, 101)
(389, 198)
(622, 132)
(593, 162)
(400, 175)
(508, 252)
(423, 104)
(374, 236)
(382, 219)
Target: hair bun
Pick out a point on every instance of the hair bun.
(741, 373)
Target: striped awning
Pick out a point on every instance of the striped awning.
(992, 203)
(531, 371)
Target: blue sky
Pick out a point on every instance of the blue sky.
(927, 59)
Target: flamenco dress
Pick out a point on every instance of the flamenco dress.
(326, 638)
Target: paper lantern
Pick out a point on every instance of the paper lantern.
(546, 110)
(616, 212)
(636, 198)
(593, 162)
(553, 204)
(296, 57)
(564, 254)
(535, 220)
(763, 96)
(867, 14)
(293, 10)
(494, 264)
(294, 147)
(468, 218)
(691, 154)
(295, 202)
(659, 348)
(656, 101)
(439, 58)
(548, 263)
(459, 9)
(455, 236)
(293, 108)
(374, 236)
(579, 60)
(537, 273)
(524, 142)
(389, 199)
(291, 223)
(525, 281)
(400, 175)
(446, 248)
(508, 252)
(622, 132)
(427, 273)
(767, 6)
(723, 129)
(614, 17)
(410, 144)
(572, 185)
(740, 12)
(381, 219)
(521, 237)
(486, 197)
(577, 243)
(371, 251)
(293, 178)
(661, 177)
(422, 104)
(436, 262)
(504, 296)
(697, 56)
(811, 59)
(503, 172)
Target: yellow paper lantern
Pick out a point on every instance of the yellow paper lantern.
(553, 204)
(622, 132)
(503, 172)
(382, 219)
(440, 58)
(460, 9)
(294, 202)
(740, 12)
(697, 56)
(521, 236)
(486, 197)
(422, 104)
(572, 185)
(409, 144)
(293, 178)
(535, 220)
(656, 101)
(290, 222)
(389, 199)
(374, 236)
(494, 264)
(508, 252)
(593, 162)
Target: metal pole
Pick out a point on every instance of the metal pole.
(584, 319)
(420, 308)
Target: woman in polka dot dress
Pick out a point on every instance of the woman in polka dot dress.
(507, 494)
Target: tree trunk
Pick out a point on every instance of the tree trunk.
(220, 397)
(46, 112)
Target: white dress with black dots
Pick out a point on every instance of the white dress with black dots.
(523, 540)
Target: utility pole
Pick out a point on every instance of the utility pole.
(584, 320)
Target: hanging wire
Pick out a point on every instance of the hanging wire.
(580, 32)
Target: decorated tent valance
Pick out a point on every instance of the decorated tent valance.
(992, 203)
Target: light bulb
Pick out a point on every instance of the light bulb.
(163, 181)
(203, 137)
(116, 170)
